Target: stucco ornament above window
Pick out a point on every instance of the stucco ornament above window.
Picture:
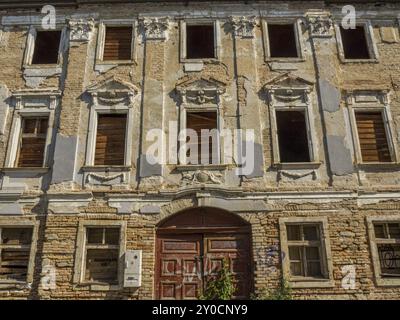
(155, 28)
(288, 89)
(320, 26)
(80, 31)
(243, 26)
(113, 91)
(200, 91)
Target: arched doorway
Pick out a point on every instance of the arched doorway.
(191, 247)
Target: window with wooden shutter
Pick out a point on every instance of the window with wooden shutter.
(205, 121)
(372, 137)
(15, 245)
(118, 43)
(110, 140)
(33, 142)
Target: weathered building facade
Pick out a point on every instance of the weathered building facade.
(85, 214)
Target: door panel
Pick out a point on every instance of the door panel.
(235, 249)
(178, 274)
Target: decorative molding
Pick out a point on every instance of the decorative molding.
(155, 28)
(80, 31)
(97, 179)
(200, 91)
(296, 175)
(243, 26)
(200, 176)
(320, 26)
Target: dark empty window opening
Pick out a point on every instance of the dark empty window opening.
(118, 43)
(200, 41)
(47, 46)
(355, 44)
(292, 136)
(282, 41)
(372, 137)
(205, 125)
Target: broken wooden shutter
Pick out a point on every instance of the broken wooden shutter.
(202, 120)
(372, 136)
(33, 142)
(118, 43)
(110, 141)
(15, 245)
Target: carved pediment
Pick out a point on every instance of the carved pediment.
(200, 90)
(288, 89)
(288, 80)
(113, 91)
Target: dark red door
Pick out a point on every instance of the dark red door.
(186, 262)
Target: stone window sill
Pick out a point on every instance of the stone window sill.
(199, 61)
(194, 167)
(311, 283)
(297, 165)
(282, 59)
(381, 165)
(388, 282)
(42, 69)
(359, 61)
(97, 287)
(106, 168)
(26, 170)
(16, 285)
(115, 62)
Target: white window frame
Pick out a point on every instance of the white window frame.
(370, 38)
(297, 33)
(30, 48)
(95, 110)
(380, 281)
(80, 256)
(103, 24)
(326, 257)
(16, 223)
(305, 106)
(183, 126)
(217, 38)
(32, 104)
(381, 105)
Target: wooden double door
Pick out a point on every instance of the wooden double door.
(185, 262)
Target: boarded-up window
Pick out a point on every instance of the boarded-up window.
(46, 49)
(282, 41)
(200, 41)
(292, 136)
(102, 252)
(203, 149)
(33, 142)
(118, 43)
(372, 135)
(355, 44)
(15, 245)
(110, 140)
(304, 243)
(387, 237)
